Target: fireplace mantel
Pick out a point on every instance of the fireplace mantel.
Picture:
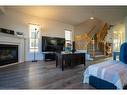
(14, 40)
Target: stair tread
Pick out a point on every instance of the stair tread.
(99, 55)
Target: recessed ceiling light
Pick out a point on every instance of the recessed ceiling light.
(91, 18)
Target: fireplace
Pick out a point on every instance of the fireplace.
(8, 54)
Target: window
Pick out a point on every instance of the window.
(68, 37)
(118, 40)
(118, 36)
(34, 37)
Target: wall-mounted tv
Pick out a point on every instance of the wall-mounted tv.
(52, 44)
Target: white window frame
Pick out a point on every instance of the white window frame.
(34, 29)
(68, 39)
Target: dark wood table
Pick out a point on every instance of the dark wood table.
(70, 59)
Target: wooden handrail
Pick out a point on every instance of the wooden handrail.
(91, 33)
(86, 38)
(102, 33)
(101, 43)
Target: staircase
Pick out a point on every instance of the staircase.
(102, 44)
(83, 40)
(94, 41)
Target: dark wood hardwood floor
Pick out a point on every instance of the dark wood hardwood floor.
(42, 75)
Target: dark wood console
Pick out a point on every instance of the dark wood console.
(70, 59)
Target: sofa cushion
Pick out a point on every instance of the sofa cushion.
(123, 53)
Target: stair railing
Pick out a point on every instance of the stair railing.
(91, 42)
(83, 40)
(101, 43)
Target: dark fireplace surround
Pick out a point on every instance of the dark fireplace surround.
(8, 54)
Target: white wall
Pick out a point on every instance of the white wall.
(19, 22)
(2, 11)
(126, 28)
(118, 31)
(87, 25)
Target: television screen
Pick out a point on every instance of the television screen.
(52, 44)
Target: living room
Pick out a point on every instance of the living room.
(25, 26)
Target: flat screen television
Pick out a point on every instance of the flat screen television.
(52, 44)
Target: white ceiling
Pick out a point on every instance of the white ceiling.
(74, 14)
